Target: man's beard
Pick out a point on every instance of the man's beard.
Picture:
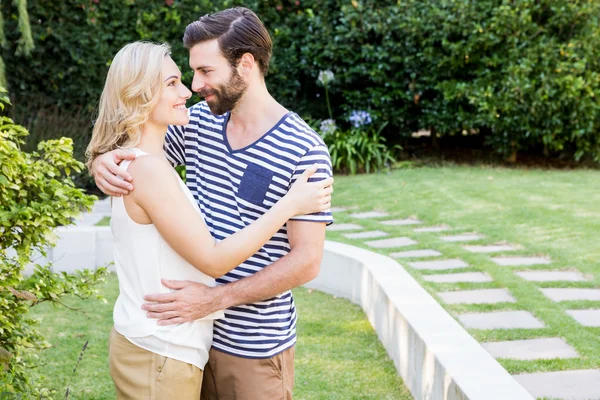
(226, 96)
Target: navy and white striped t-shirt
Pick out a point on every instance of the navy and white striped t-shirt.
(233, 189)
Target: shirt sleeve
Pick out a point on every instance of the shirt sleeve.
(174, 145)
(317, 155)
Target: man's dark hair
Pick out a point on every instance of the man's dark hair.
(238, 31)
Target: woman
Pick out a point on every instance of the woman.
(167, 238)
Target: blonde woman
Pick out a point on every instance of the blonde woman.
(159, 231)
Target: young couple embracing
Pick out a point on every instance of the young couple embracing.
(206, 268)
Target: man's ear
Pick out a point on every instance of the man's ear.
(246, 65)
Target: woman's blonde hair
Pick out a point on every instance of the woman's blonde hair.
(131, 92)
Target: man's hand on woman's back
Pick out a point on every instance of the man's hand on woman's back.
(111, 179)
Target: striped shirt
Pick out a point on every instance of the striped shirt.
(235, 187)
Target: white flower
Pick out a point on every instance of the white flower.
(360, 118)
(326, 77)
(327, 127)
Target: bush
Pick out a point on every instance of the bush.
(522, 74)
(354, 151)
(36, 195)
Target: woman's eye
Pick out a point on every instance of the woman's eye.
(172, 83)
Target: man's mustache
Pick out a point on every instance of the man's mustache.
(207, 92)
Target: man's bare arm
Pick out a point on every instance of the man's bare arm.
(193, 301)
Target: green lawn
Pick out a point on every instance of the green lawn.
(552, 213)
(338, 355)
(104, 222)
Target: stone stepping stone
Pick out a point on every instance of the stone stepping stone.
(466, 237)
(481, 296)
(566, 294)
(501, 320)
(520, 261)
(401, 222)
(462, 277)
(416, 254)
(439, 264)
(531, 349)
(490, 248)
(566, 385)
(369, 214)
(337, 209)
(551, 276)
(343, 227)
(365, 235)
(440, 228)
(586, 317)
(391, 243)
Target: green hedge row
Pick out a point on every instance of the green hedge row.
(523, 73)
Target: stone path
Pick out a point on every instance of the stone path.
(490, 248)
(566, 385)
(401, 222)
(551, 276)
(571, 294)
(416, 254)
(465, 237)
(501, 320)
(478, 296)
(520, 261)
(391, 243)
(365, 235)
(343, 227)
(369, 214)
(531, 349)
(462, 277)
(432, 229)
(586, 317)
(338, 209)
(439, 264)
(576, 385)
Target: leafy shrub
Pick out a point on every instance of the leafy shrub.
(358, 150)
(36, 195)
(522, 74)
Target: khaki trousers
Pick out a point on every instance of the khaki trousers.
(141, 374)
(228, 377)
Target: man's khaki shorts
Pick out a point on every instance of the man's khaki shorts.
(227, 377)
(141, 374)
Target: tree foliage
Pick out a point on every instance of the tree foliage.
(36, 196)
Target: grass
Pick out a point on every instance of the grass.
(103, 222)
(552, 213)
(338, 355)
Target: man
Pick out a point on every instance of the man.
(242, 150)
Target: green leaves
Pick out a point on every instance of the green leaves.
(36, 196)
(359, 150)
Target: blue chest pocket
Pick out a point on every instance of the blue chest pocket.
(255, 184)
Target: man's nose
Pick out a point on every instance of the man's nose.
(197, 84)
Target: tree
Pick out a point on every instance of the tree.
(25, 44)
(36, 195)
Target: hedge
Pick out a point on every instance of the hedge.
(522, 74)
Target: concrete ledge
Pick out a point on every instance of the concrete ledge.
(77, 248)
(435, 356)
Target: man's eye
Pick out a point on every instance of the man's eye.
(205, 71)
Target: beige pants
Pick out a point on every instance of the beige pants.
(141, 374)
(227, 377)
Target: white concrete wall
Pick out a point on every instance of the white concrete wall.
(77, 247)
(434, 355)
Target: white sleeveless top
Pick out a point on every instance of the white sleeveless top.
(142, 257)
